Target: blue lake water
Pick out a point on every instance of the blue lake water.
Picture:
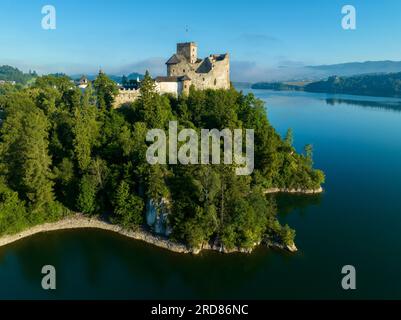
(357, 221)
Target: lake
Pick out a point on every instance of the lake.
(356, 221)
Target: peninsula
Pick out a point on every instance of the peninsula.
(67, 147)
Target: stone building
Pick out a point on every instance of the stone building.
(83, 82)
(184, 69)
(2, 82)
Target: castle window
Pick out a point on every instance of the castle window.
(215, 82)
(203, 79)
(183, 70)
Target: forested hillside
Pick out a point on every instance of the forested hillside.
(8, 73)
(382, 85)
(64, 151)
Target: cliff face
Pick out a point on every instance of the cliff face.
(157, 216)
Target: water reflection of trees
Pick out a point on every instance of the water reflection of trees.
(384, 105)
(99, 264)
(288, 203)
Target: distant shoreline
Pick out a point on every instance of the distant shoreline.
(78, 221)
(375, 85)
(395, 97)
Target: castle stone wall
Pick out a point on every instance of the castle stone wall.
(125, 96)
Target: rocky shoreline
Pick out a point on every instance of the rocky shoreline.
(79, 221)
(300, 191)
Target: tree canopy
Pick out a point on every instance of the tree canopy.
(63, 150)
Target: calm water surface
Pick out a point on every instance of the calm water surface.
(357, 221)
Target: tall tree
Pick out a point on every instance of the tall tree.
(289, 138)
(106, 91)
(128, 206)
(86, 133)
(12, 211)
(24, 152)
(154, 110)
(309, 154)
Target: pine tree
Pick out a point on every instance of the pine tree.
(289, 138)
(86, 201)
(128, 206)
(86, 133)
(25, 156)
(309, 154)
(106, 91)
(147, 91)
(154, 110)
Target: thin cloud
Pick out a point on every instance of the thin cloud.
(257, 39)
(249, 71)
(290, 64)
(156, 66)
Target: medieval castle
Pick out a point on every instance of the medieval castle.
(184, 69)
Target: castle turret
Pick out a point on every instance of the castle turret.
(189, 50)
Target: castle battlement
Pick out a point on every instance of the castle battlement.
(128, 89)
(125, 95)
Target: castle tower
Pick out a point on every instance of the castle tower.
(189, 50)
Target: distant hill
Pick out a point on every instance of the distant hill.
(381, 85)
(242, 85)
(357, 68)
(8, 73)
(320, 72)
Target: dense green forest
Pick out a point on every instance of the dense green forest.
(63, 151)
(8, 73)
(381, 85)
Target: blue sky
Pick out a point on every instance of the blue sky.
(123, 36)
